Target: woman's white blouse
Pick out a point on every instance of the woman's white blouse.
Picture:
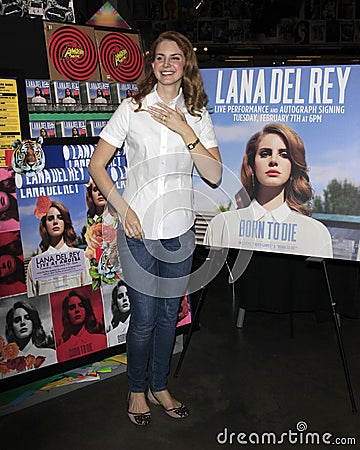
(159, 166)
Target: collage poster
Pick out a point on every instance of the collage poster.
(63, 295)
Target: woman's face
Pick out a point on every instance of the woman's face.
(7, 265)
(272, 163)
(76, 311)
(4, 201)
(169, 63)
(123, 301)
(37, 91)
(22, 324)
(55, 224)
(98, 198)
(43, 132)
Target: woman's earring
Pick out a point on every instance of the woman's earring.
(253, 181)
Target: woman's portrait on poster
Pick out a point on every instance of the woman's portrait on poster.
(24, 327)
(57, 236)
(9, 212)
(12, 267)
(82, 332)
(274, 174)
(120, 310)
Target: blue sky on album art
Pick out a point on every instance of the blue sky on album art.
(331, 138)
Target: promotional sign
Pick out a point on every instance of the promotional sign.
(120, 56)
(9, 116)
(72, 52)
(308, 155)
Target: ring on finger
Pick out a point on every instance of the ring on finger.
(164, 118)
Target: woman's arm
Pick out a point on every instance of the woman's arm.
(97, 169)
(207, 161)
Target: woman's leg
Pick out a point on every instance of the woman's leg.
(139, 268)
(175, 261)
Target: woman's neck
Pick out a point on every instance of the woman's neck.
(22, 343)
(57, 242)
(168, 93)
(270, 198)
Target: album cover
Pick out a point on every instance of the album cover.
(120, 91)
(120, 56)
(38, 92)
(71, 128)
(66, 92)
(72, 52)
(42, 128)
(95, 93)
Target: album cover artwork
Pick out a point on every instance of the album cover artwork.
(66, 92)
(72, 52)
(120, 56)
(38, 92)
(95, 93)
(71, 128)
(42, 128)
(120, 91)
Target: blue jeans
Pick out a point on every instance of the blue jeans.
(156, 273)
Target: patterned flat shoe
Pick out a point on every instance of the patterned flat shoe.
(141, 419)
(179, 412)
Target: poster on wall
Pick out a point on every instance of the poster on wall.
(289, 140)
(116, 304)
(10, 129)
(12, 276)
(9, 213)
(72, 52)
(120, 56)
(78, 322)
(26, 335)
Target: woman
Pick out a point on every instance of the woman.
(38, 96)
(100, 236)
(43, 133)
(57, 236)
(8, 204)
(120, 308)
(74, 132)
(95, 201)
(82, 332)
(68, 97)
(274, 174)
(100, 97)
(12, 268)
(24, 327)
(166, 131)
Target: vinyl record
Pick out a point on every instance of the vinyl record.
(121, 57)
(73, 53)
